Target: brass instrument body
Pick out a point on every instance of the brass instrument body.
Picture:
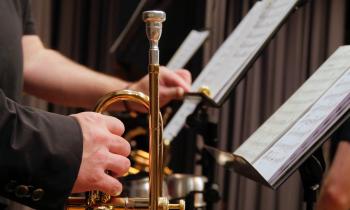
(101, 201)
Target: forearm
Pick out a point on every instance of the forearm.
(39, 151)
(51, 76)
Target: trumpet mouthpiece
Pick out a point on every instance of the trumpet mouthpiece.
(154, 16)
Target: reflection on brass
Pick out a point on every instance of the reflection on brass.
(138, 131)
(141, 159)
(101, 201)
(125, 203)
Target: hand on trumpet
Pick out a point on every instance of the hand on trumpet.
(172, 86)
(103, 149)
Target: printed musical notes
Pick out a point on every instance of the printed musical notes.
(235, 54)
(232, 58)
(295, 106)
(307, 130)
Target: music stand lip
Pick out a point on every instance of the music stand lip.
(205, 99)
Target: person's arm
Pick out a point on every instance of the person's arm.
(44, 156)
(335, 192)
(40, 154)
(51, 76)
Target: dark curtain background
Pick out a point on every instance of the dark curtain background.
(85, 29)
(308, 37)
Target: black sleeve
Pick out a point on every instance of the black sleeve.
(28, 20)
(40, 155)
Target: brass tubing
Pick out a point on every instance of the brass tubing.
(154, 146)
(153, 20)
(121, 95)
(101, 106)
(103, 201)
(125, 203)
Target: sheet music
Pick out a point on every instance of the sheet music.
(302, 135)
(223, 63)
(295, 106)
(189, 105)
(190, 45)
(178, 121)
(235, 54)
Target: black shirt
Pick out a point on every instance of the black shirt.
(40, 152)
(15, 21)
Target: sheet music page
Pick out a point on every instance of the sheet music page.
(178, 120)
(267, 134)
(304, 132)
(230, 55)
(229, 61)
(191, 44)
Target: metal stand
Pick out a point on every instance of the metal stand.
(200, 124)
(311, 172)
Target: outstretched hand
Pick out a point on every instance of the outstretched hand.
(172, 84)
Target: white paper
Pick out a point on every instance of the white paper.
(178, 120)
(267, 134)
(190, 45)
(302, 134)
(241, 47)
(229, 56)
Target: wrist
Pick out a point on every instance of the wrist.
(128, 86)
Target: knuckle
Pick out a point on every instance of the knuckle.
(101, 156)
(124, 165)
(334, 195)
(95, 179)
(100, 136)
(125, 147)
(116, 188)
(120, 125)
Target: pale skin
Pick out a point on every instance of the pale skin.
(55, 78)
(335, 193)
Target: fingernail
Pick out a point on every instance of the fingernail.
(117, 193)
(180, 92)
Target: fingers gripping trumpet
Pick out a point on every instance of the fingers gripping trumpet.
(101, 201)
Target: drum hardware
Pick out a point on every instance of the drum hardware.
(155, 201)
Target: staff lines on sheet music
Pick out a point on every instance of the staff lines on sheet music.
(247, 46)
(305, 145)
(318, 115)
(236, 52)
(323, 78)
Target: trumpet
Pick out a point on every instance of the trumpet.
(96, 200)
